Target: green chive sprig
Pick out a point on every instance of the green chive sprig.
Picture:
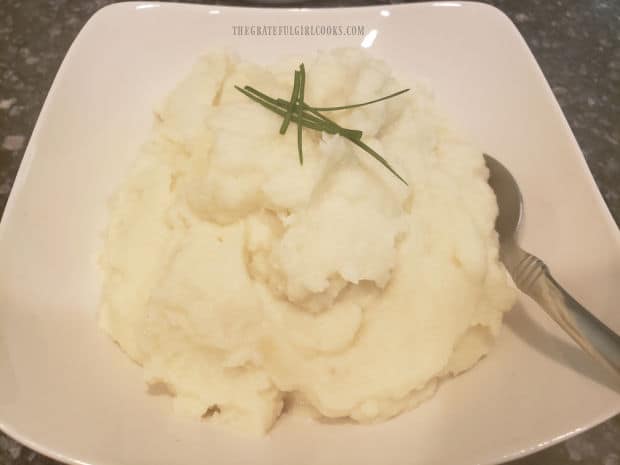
(296, 110)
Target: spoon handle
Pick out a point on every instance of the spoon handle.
(533, 277)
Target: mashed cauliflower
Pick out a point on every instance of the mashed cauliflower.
(242, 281)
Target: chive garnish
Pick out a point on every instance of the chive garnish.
(310, 123)
(300, 104)
(378, 157)
(339, 129)
(304, 115)
(289, 112)
(356, 105)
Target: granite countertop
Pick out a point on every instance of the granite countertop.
(577, 44)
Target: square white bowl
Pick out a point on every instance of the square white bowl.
(67, 391)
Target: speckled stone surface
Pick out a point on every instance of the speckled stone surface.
(576, 42)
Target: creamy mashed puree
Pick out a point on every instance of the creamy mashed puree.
(240, 279)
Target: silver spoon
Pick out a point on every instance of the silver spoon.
(533, 277)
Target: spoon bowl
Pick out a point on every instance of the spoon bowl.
(508, 197)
